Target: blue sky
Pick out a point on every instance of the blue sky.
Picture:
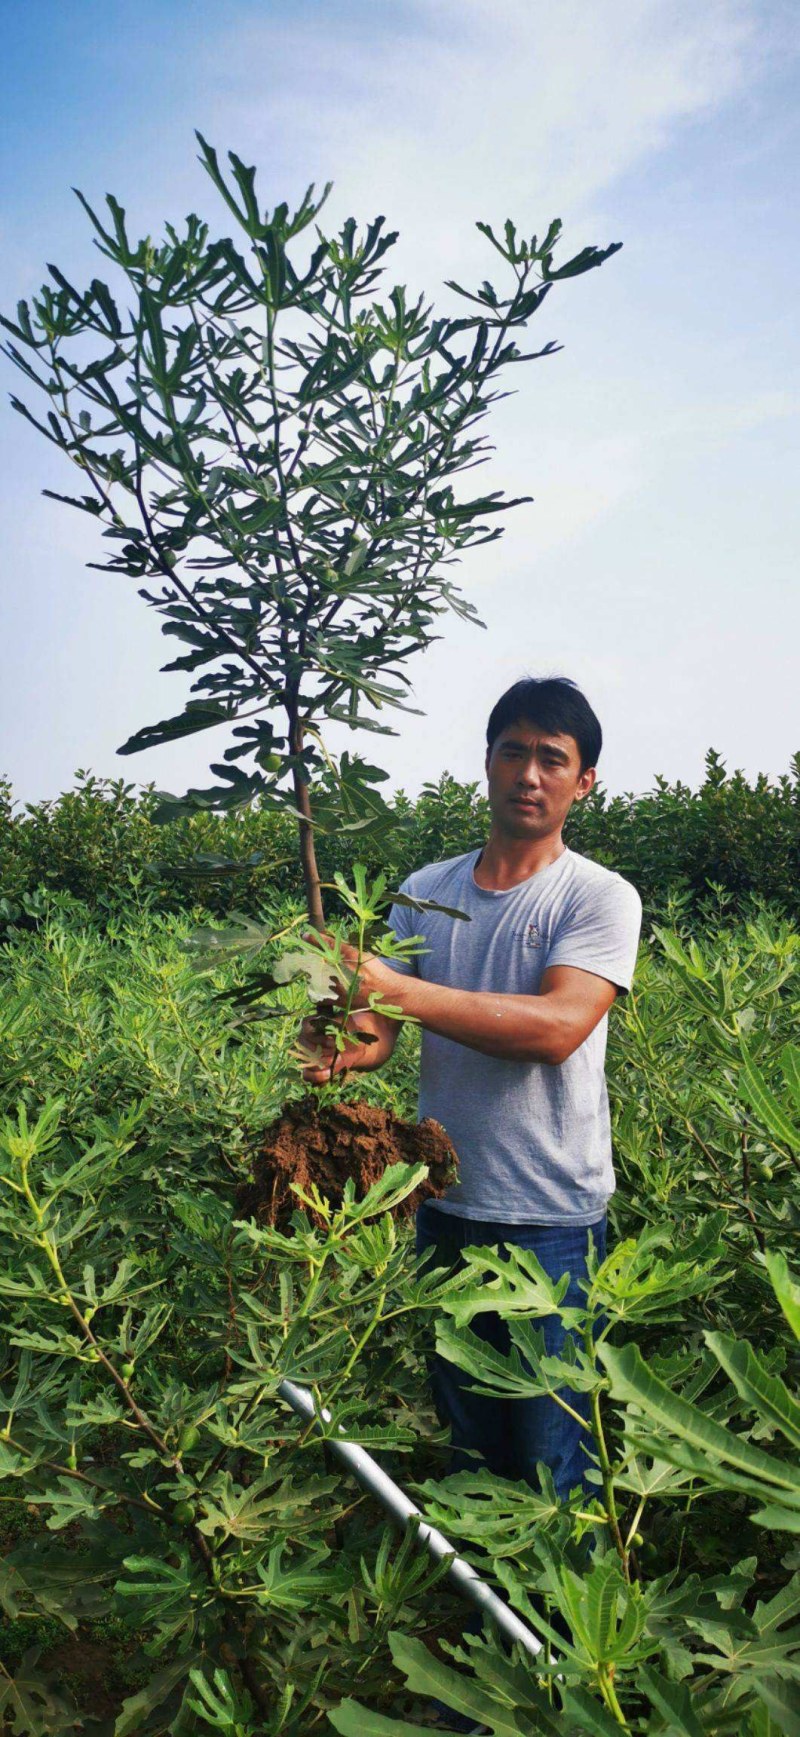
(658, 564)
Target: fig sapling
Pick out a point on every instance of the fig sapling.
(278, 454)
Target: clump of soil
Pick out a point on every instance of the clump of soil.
(325, 1145)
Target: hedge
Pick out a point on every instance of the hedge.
(98, 841)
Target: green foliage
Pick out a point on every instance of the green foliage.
(730, 834)
(684, 1615)
(146, 1333)
(154, 1480)
(619, 1647)
(327, 966)
(99, 843)
(702, 1075)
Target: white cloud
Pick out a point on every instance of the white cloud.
(581, 479)
(714, 423)
(449, 106)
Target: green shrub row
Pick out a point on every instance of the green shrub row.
(99, 842)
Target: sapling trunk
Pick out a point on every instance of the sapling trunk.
(308, 860)
(308, 854)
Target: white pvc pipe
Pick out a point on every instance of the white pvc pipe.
(397, 1503)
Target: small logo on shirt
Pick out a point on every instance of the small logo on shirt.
(533, 936)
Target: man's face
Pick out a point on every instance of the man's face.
(534, 778)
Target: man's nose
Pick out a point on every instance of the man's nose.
(529, 774)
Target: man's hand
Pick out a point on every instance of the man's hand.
(314, 1038)
(322, 1043)
(376, 1038)
(375, 977)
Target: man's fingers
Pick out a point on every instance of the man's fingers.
(318, 1054)
(319, 1076)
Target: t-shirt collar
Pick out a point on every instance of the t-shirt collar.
(539, 877)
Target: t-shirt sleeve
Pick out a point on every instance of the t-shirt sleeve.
(401, 921)
(601, 932)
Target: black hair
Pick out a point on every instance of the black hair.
(554, 703)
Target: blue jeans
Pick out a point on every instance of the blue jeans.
(511, 1435)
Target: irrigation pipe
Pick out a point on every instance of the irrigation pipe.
(399, 1505)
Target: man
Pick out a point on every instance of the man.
(513, 1006)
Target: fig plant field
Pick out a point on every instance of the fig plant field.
(179, 1553)
(276, 454)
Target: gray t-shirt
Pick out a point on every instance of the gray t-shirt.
(533, 1138)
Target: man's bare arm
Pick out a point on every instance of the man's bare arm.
(546, 1027)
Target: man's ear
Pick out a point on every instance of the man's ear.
(586, 782)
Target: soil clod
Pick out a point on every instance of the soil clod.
(325, 1145)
